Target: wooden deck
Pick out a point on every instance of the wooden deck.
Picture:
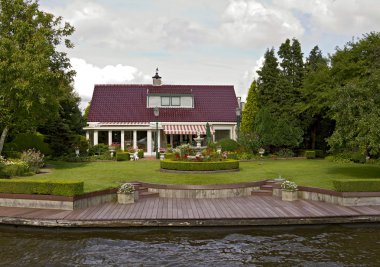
(253, 210)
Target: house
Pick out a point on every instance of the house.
(133, 115)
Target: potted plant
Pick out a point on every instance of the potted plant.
(289, 191)
(126, 194)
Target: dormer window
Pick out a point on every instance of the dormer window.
(165, 100)
(175, 101)
(170, 101)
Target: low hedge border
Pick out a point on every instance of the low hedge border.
(357, 185)
(228, 164)
(123, 156)
(42, 187)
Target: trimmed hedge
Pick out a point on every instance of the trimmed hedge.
(310, 154)
(228, 164)
(123, 156)
(357, 185)
(140, 153)
(41, 187)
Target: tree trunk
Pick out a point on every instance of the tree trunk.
(2, 138)
(313, 136)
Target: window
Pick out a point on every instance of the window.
(165, 101)
(222, 134)
(176, 101)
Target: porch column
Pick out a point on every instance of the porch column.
(180, 139)
(190, 141)
(95, 137)
(171, 140)
(159, 140)
(109, 138)
(87, 135)
(149, 142)
(122, 140)
(135, 139)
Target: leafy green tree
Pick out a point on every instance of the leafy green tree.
(356, 110)
(316, 100)
(87, 111)
(250, 110)
(277, 97)
(62, 132)
(277, 132)
(34, 75)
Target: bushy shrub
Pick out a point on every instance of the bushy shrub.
(245, 156)
(71, 158)
(42, 187)
(310, 154)
(25, 141)
(285, 153)
(228, 145)
(9, 168)
(357, 185)
(319, 153)
(99, 149)
(140, 153)
(338, 159)
(347, 157)
(34, 159)
(12, 154)
(358, 157)
(232, 155)
(199, 166)
(123, 156)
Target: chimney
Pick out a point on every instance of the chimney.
(156, 79)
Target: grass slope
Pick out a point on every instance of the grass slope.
(316, 173)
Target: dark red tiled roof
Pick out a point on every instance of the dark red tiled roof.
(127, 103)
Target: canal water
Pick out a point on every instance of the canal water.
(344, 245)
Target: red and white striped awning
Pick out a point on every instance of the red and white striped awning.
(185, 129)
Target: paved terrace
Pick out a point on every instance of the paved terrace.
(252, 210)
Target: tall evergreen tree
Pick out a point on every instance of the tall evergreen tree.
(268, 78)
(250, 110)
(62, 132)
(315, 100)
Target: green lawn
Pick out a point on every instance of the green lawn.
(316, 173)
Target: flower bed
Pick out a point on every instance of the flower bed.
(228, 164)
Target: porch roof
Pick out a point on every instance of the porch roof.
(186, 129)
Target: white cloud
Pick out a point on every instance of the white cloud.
(88, 75)
(253, 24)
(337, 16)
(247, 78)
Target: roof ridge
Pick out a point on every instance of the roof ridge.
(164, 85)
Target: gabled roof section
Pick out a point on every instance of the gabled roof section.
(127, 103)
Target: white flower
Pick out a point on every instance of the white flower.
(126, 188)
(289, 185)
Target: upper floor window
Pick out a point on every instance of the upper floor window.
(175, 101)
(165, 100)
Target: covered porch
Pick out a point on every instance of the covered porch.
(143, 135)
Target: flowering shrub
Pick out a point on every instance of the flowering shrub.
(10, 168)
(126, 188)
(34, 159)
(289, 185)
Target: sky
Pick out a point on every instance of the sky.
(199, 41)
